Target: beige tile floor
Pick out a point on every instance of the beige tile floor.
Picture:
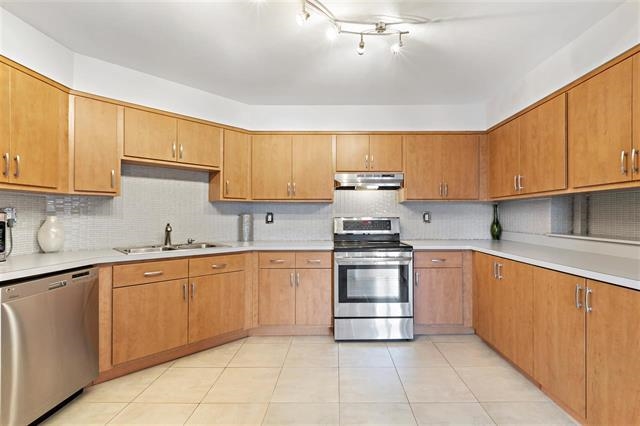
(313, 380)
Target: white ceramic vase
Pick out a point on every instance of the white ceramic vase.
(51, 235)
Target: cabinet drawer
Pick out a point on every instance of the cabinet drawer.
(277, 259)
(313, 259)
(148, 272)
(216, 264)
(438, 259)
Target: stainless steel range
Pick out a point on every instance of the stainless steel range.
(373, 280)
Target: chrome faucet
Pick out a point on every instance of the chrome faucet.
(167, 234)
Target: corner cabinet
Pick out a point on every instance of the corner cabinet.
(292, 167)
(441, 167)
(374, 153)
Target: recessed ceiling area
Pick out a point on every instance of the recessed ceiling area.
(255, 52)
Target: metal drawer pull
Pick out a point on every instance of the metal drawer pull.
(587, 300)
(634, 160)
(297, 279)
(193, 290)
(578, 290)
(277, 261)
(440, 260)
(416, 278)
(291, 279)
(219, 265)
(17, 159)
(153, 273)
(623, 162)
(316, 261)
(5, 157)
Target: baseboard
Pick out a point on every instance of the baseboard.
(442, 329)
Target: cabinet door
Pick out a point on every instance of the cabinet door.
(312, 167)
(460, 166)
(216, 305)
(149, 135)
(600, 127)
(271, 167)
(559, 337)
(96, 161)
(385, 153)
(4, 121)
(635, 157)
(613, 345)
(199, 143)
(235, 167)
(352, 153)
(484, 283)
(438, 296)
(313, 297)
(503, 159)
(543, 147)
(38, 123)
(276, 297)
(149, 318)
(423, 167)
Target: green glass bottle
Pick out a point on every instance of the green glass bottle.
(496, 228)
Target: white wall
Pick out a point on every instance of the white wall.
(614, 34)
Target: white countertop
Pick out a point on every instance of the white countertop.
(611, 269)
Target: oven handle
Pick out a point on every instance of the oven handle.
(373, 261)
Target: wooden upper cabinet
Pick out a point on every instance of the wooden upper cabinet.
(559, 332)
(149, 135)
(385, 153)
(235, 166)
(96, 132)
(4, 121)
(422, 166)
(634, 165)
(600, 127)
(352, 153)
(460, 157)
(38, 127)
(271, 167)
(543, 147)
(613, 343)
(312, 167)
(199, 144)
(504, 159)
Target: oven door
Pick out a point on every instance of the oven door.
(373, 286)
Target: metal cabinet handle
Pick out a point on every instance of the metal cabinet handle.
(291, 279)
(5, 157)
(153, 273)
(623, 162)
(520, 186)
(416, 278)
(219, 266)
(181, 151)
(500, 271)
(226, 187)
(315, 261)
(634, 160)
(277, 261)
(515, 182)
(113, 178)
(446, 189)
(193, 290)
(184, 291)
(440, 260)
(173, 150)
(366, 161)
(578, 290)
(297, 279)
(294, 189)
(17, 160)
(587, 300)
(495, 270)
(371, 160)
(289, 189)
(440, 191)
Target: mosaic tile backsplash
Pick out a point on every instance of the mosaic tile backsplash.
(152, 196)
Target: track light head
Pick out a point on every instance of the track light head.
(397, 47)
(360, 49)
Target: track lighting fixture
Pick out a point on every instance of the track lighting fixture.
(374, 25)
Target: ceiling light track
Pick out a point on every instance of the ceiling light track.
(377, 25)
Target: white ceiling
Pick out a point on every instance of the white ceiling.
(254, 52)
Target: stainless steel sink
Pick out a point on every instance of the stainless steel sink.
(160, 248)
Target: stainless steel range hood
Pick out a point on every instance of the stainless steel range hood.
(372, 181)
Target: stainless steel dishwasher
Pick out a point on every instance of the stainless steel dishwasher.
(49, 338)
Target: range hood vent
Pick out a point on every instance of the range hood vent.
(369, 181)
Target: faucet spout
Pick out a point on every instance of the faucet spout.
(167, 234)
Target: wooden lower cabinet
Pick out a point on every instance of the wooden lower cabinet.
(613, 345)
(559, 326)
(438, 296)
(313, 297)
(216, 305)
(483, 286)
(277, 297)
(149, 318)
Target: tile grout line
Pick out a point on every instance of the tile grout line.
(277, 380)
(395, 367)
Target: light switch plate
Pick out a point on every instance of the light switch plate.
(268, 218)
(426, 217)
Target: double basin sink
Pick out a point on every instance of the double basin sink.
(160, 248)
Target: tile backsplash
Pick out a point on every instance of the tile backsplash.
(153, 196)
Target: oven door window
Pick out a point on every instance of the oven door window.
(373, 284)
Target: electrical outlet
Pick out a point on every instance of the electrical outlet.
(426, 217)
(268, 218)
